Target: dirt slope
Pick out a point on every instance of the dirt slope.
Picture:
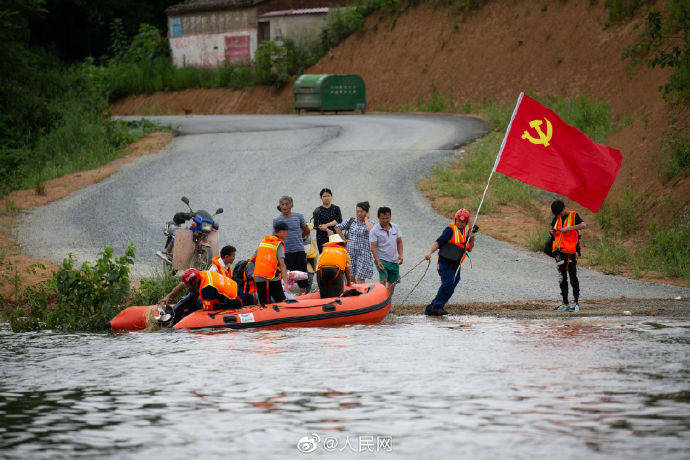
(553, 47)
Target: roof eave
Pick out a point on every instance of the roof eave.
(219, 5)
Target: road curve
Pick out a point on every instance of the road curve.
(245, 163)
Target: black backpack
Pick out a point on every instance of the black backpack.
(239, 274)
(548, 246)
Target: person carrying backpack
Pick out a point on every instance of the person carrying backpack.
(565, 229)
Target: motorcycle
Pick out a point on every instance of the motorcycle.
(192, 247)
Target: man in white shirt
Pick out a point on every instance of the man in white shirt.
(387, 248)
(223, 263)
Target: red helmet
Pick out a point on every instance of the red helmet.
(462, 214)
(190, 275)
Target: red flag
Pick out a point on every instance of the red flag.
(540, 149)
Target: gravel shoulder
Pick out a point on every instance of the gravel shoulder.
(539, 309)
(245, 163)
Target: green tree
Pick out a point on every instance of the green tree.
(76, 29)
(665, 42)
(21, 108)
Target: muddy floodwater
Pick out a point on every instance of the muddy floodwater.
(414, 387)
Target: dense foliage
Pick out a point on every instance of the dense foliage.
(76, 29)
(152, 290)
(665, 42)
(53, 116)
(81, 298)
(87, 297)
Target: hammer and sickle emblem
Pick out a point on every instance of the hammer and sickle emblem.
(543, 138)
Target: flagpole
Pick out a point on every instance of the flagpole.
(498, 157)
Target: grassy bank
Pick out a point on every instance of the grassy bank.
(619, 241)
(82, 298)
(80, 141)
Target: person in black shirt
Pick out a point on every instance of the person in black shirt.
(565, 228)
(326, 217)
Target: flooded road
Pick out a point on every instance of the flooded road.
(446, 388)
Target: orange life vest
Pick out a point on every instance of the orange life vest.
(565, 242)
(223, 285)
(250, 284)
(333, 254)
(217, 261)
(459, 239)
(266, 263)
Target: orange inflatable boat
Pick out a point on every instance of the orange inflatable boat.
(370, 306)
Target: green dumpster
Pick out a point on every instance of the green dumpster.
(330, 92)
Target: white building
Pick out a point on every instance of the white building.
(293, 24)
(204, 33)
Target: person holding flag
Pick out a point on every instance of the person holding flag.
(454, 243)
(565, 229)
(542, 150)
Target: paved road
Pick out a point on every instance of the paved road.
(245, 163)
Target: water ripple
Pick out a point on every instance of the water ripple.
(500, 387)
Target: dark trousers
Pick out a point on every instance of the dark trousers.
(331, 281)
(230, 304)
(247, 299)
(569, 267)
(449, 280)
(187, 304)
(266, 290)
(297, 261)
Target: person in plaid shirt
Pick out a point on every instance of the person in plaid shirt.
(358, 242)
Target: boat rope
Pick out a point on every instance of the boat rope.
(418, 282)
(410, 270)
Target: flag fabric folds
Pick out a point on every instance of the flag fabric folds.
(540, 149)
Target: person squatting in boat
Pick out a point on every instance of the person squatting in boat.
(208, 290)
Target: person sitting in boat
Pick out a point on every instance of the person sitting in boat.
(269, 265)
(208, 290)
(223, 263)
(334, 268)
